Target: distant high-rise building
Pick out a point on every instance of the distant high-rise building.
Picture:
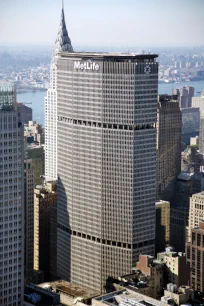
(185, 95)
(45, 197)
(62, 43)
(11, 199)
(190, 123)
(195, 257)
(107, 109)
(162, 225)
(26, 113)
(169, 129)
(196, 213)
(199, 102)
(29, 216)
(201, 134)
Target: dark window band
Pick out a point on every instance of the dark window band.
(104, 241)
(106, 125)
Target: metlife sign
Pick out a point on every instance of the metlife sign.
(92, 66)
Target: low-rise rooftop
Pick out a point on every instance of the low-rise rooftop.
(126, 297)
(71, 290)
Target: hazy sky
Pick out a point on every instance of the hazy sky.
(110, 23)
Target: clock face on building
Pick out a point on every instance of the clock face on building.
(147, 69)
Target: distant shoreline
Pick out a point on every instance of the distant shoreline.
(30, 91)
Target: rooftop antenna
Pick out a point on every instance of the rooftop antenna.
(63, 4)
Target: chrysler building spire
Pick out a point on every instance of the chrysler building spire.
(63, 42)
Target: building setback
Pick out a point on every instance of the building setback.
(11, 199)
(106, 139)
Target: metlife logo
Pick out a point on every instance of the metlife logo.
(79, 65)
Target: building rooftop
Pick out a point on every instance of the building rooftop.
(108, 56)
(200, 228)
(34, 295)
(70, 289)
(184, 176)
(127, 297)
(171, 254)
(160, 202)
(200, 194)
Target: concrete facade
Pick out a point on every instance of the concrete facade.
(177, 270)
(182, 295)
(107, 108)
(11, 199)
(155, 273)
(195, 257)
(196, 213)
(29, 215)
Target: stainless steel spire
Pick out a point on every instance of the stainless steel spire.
(63, 42)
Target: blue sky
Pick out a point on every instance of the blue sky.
(108, 23)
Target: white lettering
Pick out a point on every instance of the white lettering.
(86, 65)
(77, 65)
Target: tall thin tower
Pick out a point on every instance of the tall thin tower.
(62, 43)
(11, 199)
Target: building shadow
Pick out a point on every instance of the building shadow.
(63, 233)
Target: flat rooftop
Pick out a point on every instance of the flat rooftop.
(108, 56)
(200, 194)
(70, 289)
(160, 202)
(127, 298)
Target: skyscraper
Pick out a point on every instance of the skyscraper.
(106, 136)
(62, 43)
(185, 96)
(11, 200)
(169, 129)
(26, 113)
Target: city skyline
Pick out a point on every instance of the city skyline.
(127, 23)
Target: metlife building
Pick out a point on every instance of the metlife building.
(106, 140)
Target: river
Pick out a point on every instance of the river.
(37, 98)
